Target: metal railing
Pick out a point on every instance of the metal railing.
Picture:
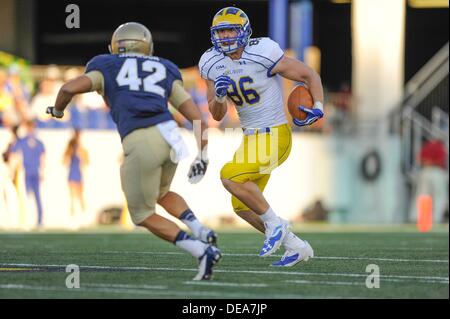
(423, 112)
(417, 129)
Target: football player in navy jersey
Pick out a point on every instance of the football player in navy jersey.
(137, 87)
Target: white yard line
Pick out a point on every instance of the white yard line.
(259, 272)
(332, 283)
(224, 284)
(180, 294)
(356, 283)
(256, 255)
(387, 259)
(123, 286)
(275, 255)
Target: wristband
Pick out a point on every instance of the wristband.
(318, 105)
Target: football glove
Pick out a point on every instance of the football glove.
(198, 169)
(312, 115)
(54, 112)
(221, 86)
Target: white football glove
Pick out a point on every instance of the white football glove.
(198, 169)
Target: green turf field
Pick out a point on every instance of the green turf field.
(138, 265)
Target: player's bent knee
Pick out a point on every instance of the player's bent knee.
(139, 216)
(225, 182)
(238, 206)
(162, 194)
(229, 184)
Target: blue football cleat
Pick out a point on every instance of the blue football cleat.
(274, 237)
(207, 261)
(292, 257)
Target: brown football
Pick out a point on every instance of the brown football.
(299, 96)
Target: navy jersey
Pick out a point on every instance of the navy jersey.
(32, 149)
(136, 88)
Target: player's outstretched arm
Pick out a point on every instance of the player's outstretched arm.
(295, 70)
(200, 164)
(217, 105)
(81, 84)
(191, 112)
(181, 100)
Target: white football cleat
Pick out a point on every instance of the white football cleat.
(275, 234)
(293, 257)
(208, 236)
(207, 261)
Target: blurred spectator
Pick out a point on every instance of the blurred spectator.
(75, 110)
(76, 158)
(343, 98)
(314, 212)
(53, 73)
(93, 111)
(10, 190)
(6, 155)
(432, 178)
(7, 109)
(20, 93)
(339, 107)
(31, 150)
(46, 96)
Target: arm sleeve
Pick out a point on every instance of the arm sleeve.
(174, 71)
(178, 94)
(98, 82)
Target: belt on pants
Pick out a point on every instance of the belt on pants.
(252, 131)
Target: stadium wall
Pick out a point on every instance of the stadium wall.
(319, 167)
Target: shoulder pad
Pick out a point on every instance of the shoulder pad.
(208, 59)
(264, 50)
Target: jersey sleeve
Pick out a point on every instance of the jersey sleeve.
(97, 63)
(265, 51)
(202, 65)
(275, 52)
(210, 58)
(173, 70)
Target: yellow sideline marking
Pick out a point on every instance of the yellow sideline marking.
(15, 269)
